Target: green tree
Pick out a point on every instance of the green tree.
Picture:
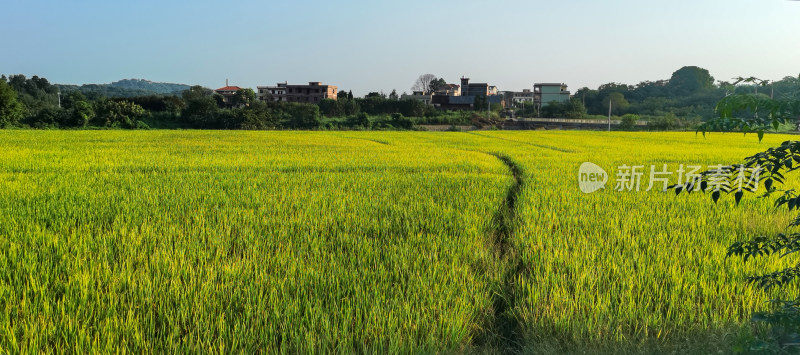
(35, 92)
(331, 107)
(438, 84)
(124, 114)
(196, 92)
(665, 122)
(69, 99)
(360, 120)
(80, 114)
(11, 110)
(243, 97)
(256, 116)
(590, 99)
(688, 80)
(399, 121)
(47, 117)
(300, 116)
(201, 107)
(773, 167)
(628, 122)
(617, 102)
(351, 107)
(575, 109)
(480, 103)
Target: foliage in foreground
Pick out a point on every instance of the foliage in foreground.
(760, 113)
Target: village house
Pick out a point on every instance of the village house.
(464, 97)
(227, 92)
(418, 95)
(314, 92)
(545, 93)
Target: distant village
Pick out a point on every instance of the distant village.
(683, 101)
(465, 95)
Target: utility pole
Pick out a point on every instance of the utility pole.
(609, 114)
(59, 98)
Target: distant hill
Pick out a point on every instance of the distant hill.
(147, 85)
(126, 88)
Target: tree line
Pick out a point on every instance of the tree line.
(689, 97)
(36, 103)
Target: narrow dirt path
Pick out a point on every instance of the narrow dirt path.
(501, 333)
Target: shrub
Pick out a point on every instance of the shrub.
(664, 123)
(400, 121)
(628, 122)
(360, 120)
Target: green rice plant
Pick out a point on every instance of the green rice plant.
(399, 242)
(241, 242)
(615, 270)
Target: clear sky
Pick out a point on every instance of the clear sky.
(383, 45)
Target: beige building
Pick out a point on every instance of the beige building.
(418, 95)
(314, 92)
(449, 90)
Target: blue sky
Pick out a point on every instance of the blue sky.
(383, 45)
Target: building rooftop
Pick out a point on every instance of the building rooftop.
(229, 88)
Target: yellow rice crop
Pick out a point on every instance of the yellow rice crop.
(351, 241)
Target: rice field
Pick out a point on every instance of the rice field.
(368, 242)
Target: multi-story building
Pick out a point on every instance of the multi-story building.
(271, 93)
(227, 92)
(465, 102)
(545, 93)
(519, 97)
(418, 95)
(449, 90)
(474, 89)
(314, 92)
